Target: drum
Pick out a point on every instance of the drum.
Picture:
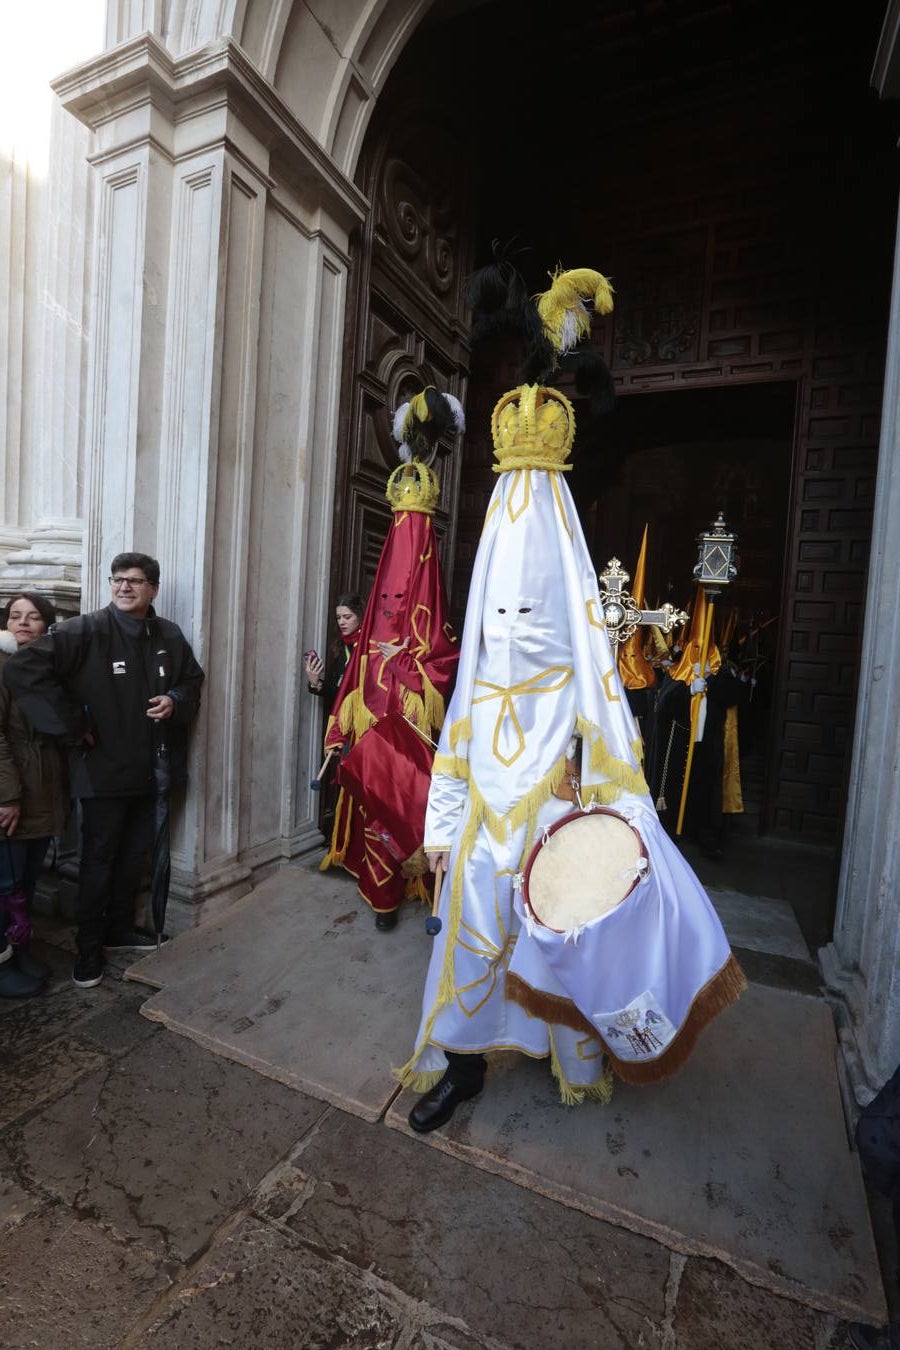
(584, 865)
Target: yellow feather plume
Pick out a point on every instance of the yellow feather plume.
(418, 412)
(561, 308)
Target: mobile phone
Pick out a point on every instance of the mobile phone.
(311, 655)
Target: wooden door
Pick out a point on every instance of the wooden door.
(406, 318)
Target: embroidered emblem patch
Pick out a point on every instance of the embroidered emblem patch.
(118, 667)
(639, 1031)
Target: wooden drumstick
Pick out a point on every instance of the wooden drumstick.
(433, 924)
(316, 782)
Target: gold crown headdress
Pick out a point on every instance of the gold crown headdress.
(413, 487)
(533, 428)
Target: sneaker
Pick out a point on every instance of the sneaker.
(88, 969)
(134, 940)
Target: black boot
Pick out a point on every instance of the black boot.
(463, 1080)
(14, 983)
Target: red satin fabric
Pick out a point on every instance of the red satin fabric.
(389, 769)
(408, 600)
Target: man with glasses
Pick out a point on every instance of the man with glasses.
(110, 684)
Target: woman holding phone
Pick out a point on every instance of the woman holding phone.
(322, 680)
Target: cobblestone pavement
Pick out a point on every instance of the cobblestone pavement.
(154, 1195)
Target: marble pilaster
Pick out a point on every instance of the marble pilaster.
(220, 258)
(862, 963)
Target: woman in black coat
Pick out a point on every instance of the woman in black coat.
(323, 681)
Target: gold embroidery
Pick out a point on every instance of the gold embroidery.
(494, 506)
(609, 676)
(497, 954)
(554, 483)
(513, 489)
(508, 709)
(595, 623)
(423, 638)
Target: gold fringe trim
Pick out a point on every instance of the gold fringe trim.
(622, 776)
(419, 1082)
(575, 1094)
(725, 988)
(426, 709)
(451, 765)
(525, 811)
(353, 715)
(415, 890)
(435, 708)
(338, 851)
(550, 1008)
(719, 993)
(460, 731)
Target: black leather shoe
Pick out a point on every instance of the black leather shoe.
(438, 1105)
(385, 920)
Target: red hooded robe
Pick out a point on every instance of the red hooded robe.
(407, 604)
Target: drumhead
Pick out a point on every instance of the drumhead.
(588, 866)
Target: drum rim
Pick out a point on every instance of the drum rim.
(557, 825)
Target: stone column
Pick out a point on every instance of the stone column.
(220, 256)
(48, 559)
(862, 963)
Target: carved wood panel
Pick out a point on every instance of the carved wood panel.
(406, 324)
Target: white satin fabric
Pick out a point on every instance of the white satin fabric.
(534, 661)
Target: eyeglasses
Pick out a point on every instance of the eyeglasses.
(118, 582)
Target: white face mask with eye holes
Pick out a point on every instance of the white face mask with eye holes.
(524, 621)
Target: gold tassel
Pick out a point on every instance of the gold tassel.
(416, 865)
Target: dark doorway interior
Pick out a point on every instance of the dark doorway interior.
(671, 461)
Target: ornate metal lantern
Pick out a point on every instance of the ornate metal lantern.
(716, 562)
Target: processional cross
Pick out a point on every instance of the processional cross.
(622, 613)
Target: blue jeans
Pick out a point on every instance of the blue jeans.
(20, 864)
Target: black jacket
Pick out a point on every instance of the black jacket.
(96, 673)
